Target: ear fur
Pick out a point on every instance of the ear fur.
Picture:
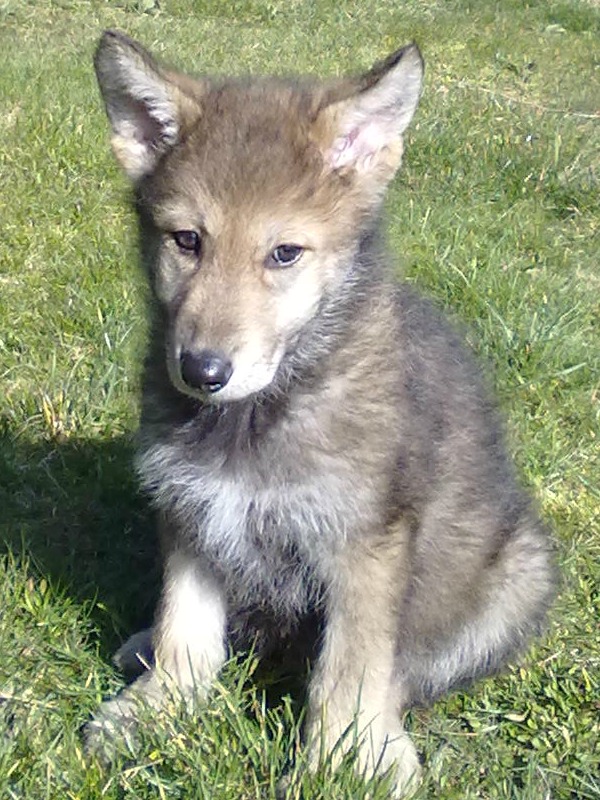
(364, 131)
(146, 107)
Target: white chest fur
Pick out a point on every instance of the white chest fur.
(272, 538)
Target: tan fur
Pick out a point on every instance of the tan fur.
(353, 694)
(346, 461)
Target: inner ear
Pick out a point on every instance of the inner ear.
(358, 146)
(147, 128)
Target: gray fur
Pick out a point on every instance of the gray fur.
(368, 480)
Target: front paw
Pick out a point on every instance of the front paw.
(112, 729)
(379, 751)
(399, 757)
(114, 726)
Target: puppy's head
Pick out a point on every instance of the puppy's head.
(254, 195)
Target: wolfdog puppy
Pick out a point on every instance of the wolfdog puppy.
(314, 435)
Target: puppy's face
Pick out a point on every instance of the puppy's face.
(252, 232)
(254, 195)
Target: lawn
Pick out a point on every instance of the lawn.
(495, 214)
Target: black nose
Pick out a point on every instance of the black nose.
(206, 370)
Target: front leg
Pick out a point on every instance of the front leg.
(189, 647)
(189, 634)
(353, 696)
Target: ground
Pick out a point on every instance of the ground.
(495, 214)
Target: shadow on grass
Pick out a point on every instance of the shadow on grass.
(73, 509)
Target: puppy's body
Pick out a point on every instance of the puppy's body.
(313, 434)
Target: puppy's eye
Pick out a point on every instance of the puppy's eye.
(284, 255)
(188, 241)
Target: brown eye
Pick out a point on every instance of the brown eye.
(188, 241)
(284, 255)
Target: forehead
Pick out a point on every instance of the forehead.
(251, 151)
(251, 135)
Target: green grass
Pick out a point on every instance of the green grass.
(495, 214)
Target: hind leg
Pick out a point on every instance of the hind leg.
(352, 699)
(516, 590)
(189, 648)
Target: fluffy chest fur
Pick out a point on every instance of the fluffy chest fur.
(270, 525)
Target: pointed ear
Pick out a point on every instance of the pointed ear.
(146, 107)
(364, 131)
